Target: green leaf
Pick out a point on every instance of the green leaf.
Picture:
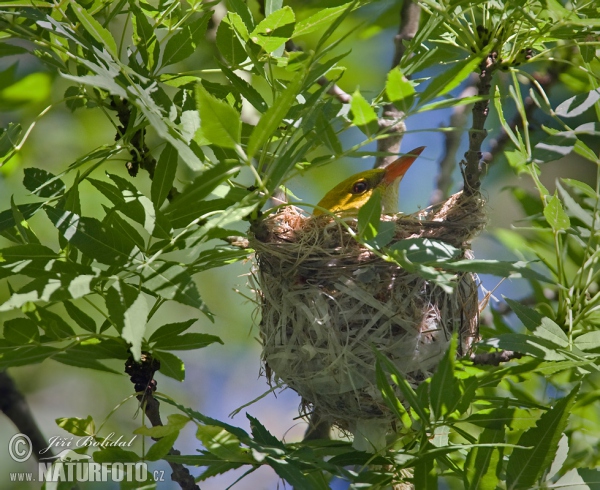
(426, 250)
(323, 17)
(262, 435)
(228, 43)
(24, 356)
(363, 115)
(588, 341)
(183, 44)
(83, 320)
(188, 204)
(95, 29)
(497, 268)
(271, 119)
(555, 214)
(369, 216)
(444, 390)
(170, 280)
(390, 398)
(577, 105)
(398, 378)
(24, 231)
(77, 426)
(53, 324)
(9, 137)
(528, 345)
(187, 341)
(170, 330)
(21, 331)
(7, 219)
(90, 236)
(80, 360)
(42, 183)
(164, 175)
(161, 447)
(292, 474)
(223, 444)
(484, 463)
(220, 122)
(115, 455)
(170, 365)
(540, 325)
(450, 78)
(241, 8)
(128, 308)
(554, 147)
(399, 90)
(526, 465)
(275, 29)
(245, 89)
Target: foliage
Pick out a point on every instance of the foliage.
(236, 132)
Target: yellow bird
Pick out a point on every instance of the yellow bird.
(348, 196)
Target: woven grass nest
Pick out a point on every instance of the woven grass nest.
(326, 301)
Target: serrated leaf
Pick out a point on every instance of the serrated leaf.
(324, 17)
(78, 426)
(399, 90)
(220, 122)
(171, 330)
(42, 183)
(541, 326)
(83, 320)
(245, 89)
(164, 175)
(390, 398)
(183, 44)
(187, 341)
(24, 356)
(588, 341)
(261, 434)
(228, 43)
(292, 474)
(95, 29)
(526, 464)
(363, 115)
(484, 463)
(170, 365)
(444, 390)
(90, 236)
(275, 29)
(170, 280)
(554, 147)
(21, 331)
(526, 344)
(186, 206)
(555, 214)
(450, 78)
(161, 448)
(271, 119)
(128, 309)
(577, 105)
(78, 360)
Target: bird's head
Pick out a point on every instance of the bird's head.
(348, 196)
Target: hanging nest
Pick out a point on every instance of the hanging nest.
(326, 301)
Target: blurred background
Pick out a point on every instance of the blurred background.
(223, 378)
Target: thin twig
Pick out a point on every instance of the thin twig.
(495, 358)
(471, 163)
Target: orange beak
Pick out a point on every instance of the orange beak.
(397, 169)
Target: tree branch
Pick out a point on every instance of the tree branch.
(471, 163)
(15, 407)
(142, 375)
(495, 358)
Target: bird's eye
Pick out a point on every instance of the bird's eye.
(359, 187)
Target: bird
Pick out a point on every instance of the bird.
(348, 196)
